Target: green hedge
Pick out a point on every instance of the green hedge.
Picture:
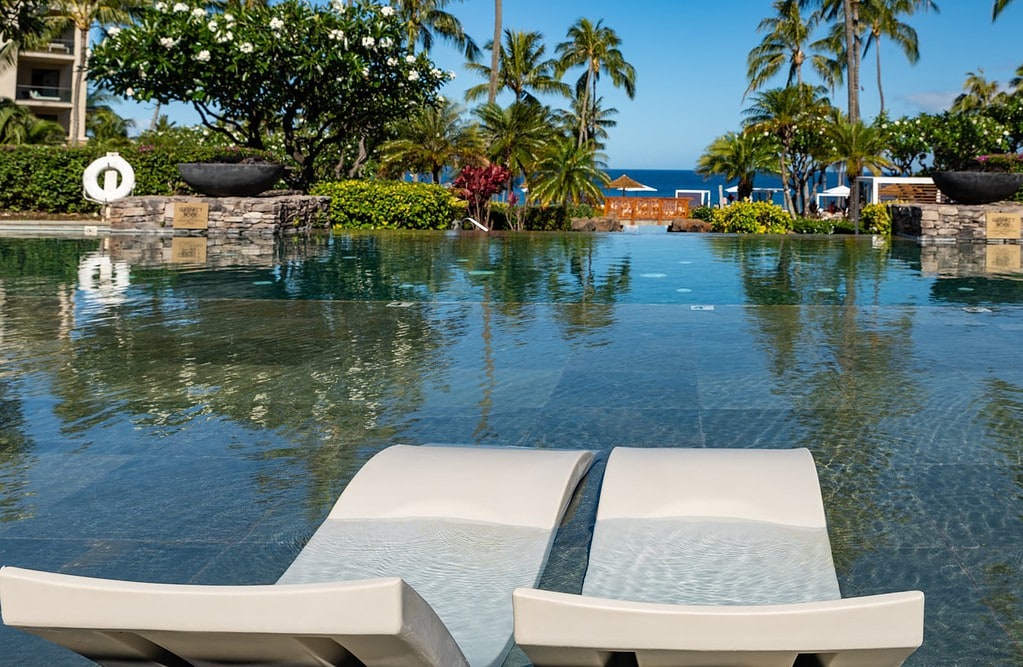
(535, 218)
(49, 178)
(389, 205)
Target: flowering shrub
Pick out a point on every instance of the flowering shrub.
(477, 185)
(748, 217)
(1006, 162)
(876, 219)
(322, 78)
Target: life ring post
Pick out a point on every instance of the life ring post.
(111, 166)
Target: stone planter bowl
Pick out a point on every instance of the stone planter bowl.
(977, 187)
(223, 179)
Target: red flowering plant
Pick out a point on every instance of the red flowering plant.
(477, 185)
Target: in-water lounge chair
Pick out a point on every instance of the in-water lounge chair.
(415, 565)
(714, 558)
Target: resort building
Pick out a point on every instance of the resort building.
(42, 81)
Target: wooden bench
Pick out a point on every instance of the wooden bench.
(910, 193)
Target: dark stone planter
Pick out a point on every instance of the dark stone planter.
(977, 187)
(222, 179)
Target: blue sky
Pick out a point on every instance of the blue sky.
(690, 59)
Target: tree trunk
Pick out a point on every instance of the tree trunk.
(495, 55)
(584, 108)
(76, 87)
(877, 58)
(852, 57)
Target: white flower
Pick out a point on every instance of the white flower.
(441, 99)
(365, 71)
(387, 10)
(451, 75)
(168, 43)
(386, 42)
(337, 35)
(368, 42)
(160, 6)
(212, 25)
(129, 92)
(199, 12)
(339, 6)
(410, 59)
(391, 62)
(225, 36)
(276, 24)
(113, 31)
(229, 18)
(413, 76)
(436, 73)
(203, 56)
(245, 47)
(180, 7)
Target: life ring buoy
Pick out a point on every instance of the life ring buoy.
(110, 190)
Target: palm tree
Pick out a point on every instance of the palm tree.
(786, 35)
(595, 48)
(19, 126)
(495, 56)
(857, 147)
(425, 18)
(102, 123)
(849, 13)
(739, 156)
(882, 20)
(568, 173)
(516, 136)
(82, 15)
(597, 118)
(434, 138)
(977, 94)
(778, 112)
(523, 69)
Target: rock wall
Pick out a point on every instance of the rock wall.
(266, 215)
(949, 223)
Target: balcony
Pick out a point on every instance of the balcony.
(44, 94)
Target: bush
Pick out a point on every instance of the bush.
(705, 213)
(747, 217)
(876, 219)
(388, 205)
(813, 226)
(49, 178)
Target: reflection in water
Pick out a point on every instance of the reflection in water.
(844, 369)
(221, 405)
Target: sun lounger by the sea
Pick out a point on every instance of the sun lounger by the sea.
(414, 566)
(714, 558)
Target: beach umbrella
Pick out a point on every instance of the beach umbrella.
(628, 184)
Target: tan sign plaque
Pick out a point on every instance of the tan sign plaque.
(188, 249)
(1004, 258)
(191, 215)
(1003, 225)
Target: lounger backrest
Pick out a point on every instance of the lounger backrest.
(379, 622)
(778, 486)
(412, 482)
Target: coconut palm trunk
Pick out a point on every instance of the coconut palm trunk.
(495, 53)
(76, 85)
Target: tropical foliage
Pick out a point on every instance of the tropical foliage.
(230, 67)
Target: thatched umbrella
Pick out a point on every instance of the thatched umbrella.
(626, 183)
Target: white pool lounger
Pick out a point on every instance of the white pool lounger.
(414, 565)
(715, 558)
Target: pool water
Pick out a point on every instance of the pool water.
(194, 422)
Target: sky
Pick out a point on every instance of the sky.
(690, 61)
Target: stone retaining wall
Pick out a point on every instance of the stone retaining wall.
(950, 223)
(267, 215)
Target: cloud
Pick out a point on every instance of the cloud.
(933, 101)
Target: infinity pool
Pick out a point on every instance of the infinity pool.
(180, 413)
